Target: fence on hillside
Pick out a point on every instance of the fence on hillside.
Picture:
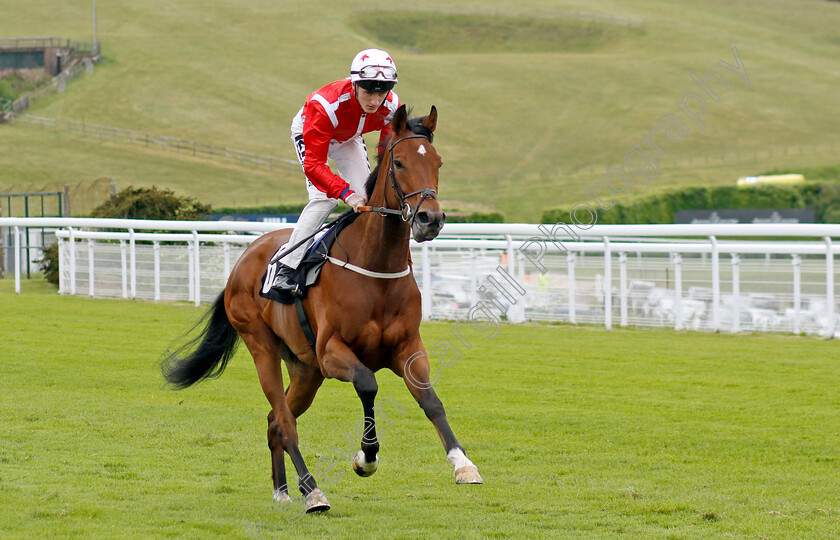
(84, 47)
(496, 11)
(56, 84)
(162, 142)
(699, 277)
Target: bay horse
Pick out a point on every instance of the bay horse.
(362, 323)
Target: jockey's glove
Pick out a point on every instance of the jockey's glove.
(355, 201)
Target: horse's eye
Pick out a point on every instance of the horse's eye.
(398, 164)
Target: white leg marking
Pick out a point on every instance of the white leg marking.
(362, 467)
(458, 459)
(281, 496)
(465, 471)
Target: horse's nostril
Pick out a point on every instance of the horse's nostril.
(423, 218)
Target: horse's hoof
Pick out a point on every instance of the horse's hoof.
(316, 501)
(362, 467)
(281, 497)
(468, 475)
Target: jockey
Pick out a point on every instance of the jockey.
(330, 125)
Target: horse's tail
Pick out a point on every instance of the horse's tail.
(207, 354)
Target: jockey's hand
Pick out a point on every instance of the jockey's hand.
(355, 201)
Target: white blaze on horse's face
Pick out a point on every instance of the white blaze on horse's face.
(422, 150)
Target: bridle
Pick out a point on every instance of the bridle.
(405, 212)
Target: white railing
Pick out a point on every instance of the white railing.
(702, 277)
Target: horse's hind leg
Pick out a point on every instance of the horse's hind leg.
(278, 462)
(304, 382)
(264, 346)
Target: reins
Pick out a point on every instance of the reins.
(277, 256)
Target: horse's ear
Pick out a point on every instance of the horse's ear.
(431, 121)
(399, 120)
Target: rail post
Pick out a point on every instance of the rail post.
(156, 247)
(571, 259)
(197, 261)
(678, 312)
(736, 293)
(622, 288)
(797, 291)
(90, 267)
(607, 284)
(71, 244)
(132, 254)
(829, 285)
(715, 285)
(17, 259)
(427, 282)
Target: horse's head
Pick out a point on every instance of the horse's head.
(412, 173)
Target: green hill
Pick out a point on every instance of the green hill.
(531, 108)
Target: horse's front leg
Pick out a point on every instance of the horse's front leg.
(413, 366)
(339, 362)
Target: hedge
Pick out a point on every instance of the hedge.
(822, 197)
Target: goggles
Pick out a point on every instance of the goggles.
(387, 73)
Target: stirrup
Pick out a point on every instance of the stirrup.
(283, 281)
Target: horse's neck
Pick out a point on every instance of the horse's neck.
(382, 245)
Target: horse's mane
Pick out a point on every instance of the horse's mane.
(416, 126)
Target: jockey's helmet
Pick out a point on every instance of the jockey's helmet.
(374, 70)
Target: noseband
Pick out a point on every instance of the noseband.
(405, 211)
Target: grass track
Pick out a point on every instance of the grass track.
(578, 432)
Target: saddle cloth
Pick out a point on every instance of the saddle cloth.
(309, 270)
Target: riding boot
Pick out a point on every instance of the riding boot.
(283, 280)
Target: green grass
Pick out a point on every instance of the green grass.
(578, 432)
(215, 183)
(482, 34)
(519, 131)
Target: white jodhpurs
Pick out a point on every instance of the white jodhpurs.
(350, 157)
(313, 216)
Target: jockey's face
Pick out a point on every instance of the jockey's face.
(370, 101)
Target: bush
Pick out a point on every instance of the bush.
(151, 203)
(475, 217)
(49, 263)
(134, 203)
(6, 90)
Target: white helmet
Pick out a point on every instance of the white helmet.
(374, 70)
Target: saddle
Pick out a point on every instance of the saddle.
(309, 270)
